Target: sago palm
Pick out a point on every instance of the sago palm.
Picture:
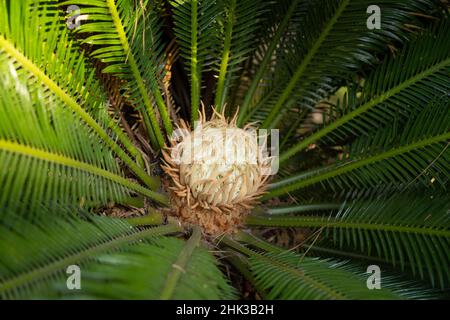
(92, 92)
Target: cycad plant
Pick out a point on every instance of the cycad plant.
(92, 92)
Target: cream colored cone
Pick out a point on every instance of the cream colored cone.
(216, 173)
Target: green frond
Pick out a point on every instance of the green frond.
(196, 30)
(241, 21)
(48, 155)
(401, 229)
(145, 271)
(34, 257)
(288, 276)
(269, 122)
(128, 40)
(418, 151)
(315, 59)
(266, 51)
(50, 63)
(400, 87)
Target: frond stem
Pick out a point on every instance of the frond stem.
(195, 74)
(220, 94)
(313, 222)
(352, 165)
(137, 75)
(180, 264)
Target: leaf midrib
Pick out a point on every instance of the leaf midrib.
(219, 99)
(195, 75)
(324, 222)
(180, 264)
(17, 148)
(357, 164)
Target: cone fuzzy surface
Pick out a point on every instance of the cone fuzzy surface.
(217, 173)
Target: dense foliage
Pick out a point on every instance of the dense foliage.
(89, 97)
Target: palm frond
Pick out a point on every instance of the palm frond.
(323, 14)
(267, 52)
(401, 229)
(146, 271)
(289, 277)
(47, 154)
(286, 275)
(34, 256)
(418, 151)
(50, 63)
(240, 23)
(128, 40)
(196, 31)
(399, 87)
(311, 72)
